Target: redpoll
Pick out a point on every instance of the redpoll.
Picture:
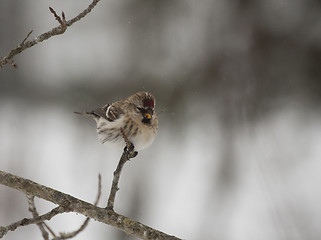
(133, 118)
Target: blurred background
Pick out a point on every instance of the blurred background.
(238, 151)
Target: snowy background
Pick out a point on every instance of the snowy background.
(238, 154)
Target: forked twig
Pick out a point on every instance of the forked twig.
(63, 23)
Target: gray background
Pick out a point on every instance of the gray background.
(238, 151)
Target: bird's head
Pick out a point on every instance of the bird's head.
(145, 106)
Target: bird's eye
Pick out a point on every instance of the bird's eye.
(139, 109)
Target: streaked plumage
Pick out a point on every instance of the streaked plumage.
(135, 115)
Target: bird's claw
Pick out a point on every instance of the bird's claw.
(129, 150)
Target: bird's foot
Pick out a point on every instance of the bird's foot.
(130, 151)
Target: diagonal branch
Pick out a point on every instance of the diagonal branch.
(129, 226)
(53, 32)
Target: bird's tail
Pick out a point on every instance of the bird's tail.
(89, 114)
(85, 113)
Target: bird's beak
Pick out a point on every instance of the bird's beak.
(147, 115)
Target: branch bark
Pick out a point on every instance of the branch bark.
(114, 186)
(70, 203)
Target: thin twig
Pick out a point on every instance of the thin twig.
(33, 210)
(53, 32)
(35, 220)
(26, 37)
(49, 229)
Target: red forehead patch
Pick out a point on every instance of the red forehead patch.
(148, 103)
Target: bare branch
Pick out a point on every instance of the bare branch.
(67, 202)
(53, 32)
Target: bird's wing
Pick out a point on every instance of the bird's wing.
(113, 112)
(110, 112)
(100, 112)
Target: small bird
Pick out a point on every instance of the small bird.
(133, 118)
